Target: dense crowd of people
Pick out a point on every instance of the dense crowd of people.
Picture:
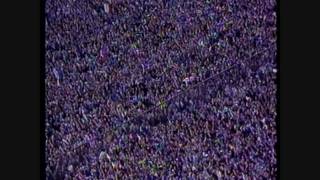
(164, 89)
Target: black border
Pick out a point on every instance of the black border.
(20, 100)
(42, 91)
(277, 147)
(299, 94)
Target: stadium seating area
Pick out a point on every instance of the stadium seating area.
(163, 89)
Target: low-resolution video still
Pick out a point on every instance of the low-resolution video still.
(161, 89)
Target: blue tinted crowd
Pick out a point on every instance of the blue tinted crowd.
(137, 89)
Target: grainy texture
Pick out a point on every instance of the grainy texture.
(165, 89)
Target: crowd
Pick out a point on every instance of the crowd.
(137, 89)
